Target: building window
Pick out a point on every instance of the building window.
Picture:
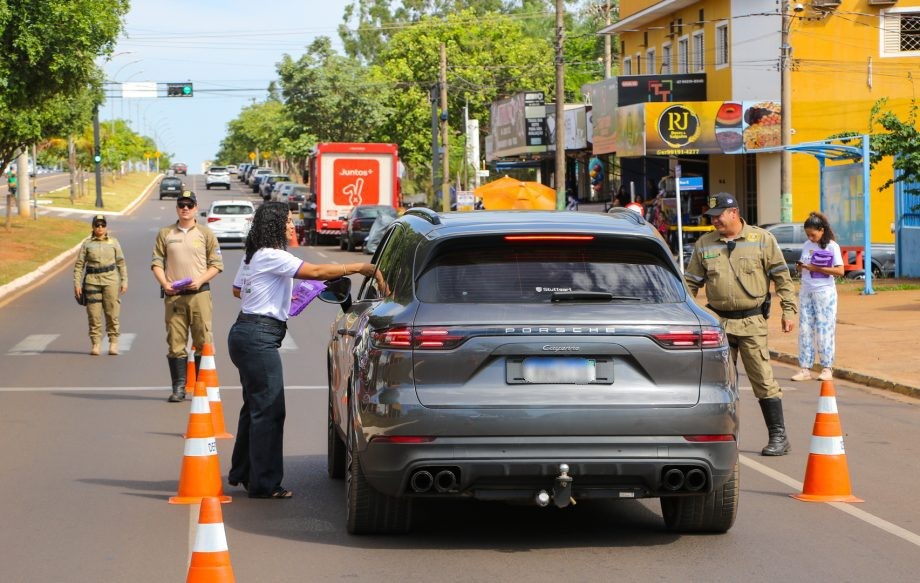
(627, 66)
(650, 65)
(721, 45)
(683, 48)
(666, 59)
(901, 32)
(698, 52)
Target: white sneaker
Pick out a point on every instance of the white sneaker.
(826, 375)
(802, 375)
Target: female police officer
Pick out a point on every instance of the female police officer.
(101, 274)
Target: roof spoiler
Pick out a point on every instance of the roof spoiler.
(424, 213)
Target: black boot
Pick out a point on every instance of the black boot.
(197, 364)
(177, 370)
(773, 416)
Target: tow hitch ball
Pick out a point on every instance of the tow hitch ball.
(562, 490)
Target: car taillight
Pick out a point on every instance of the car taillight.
(690, 338)
(709, 438)
(418, 337)
(402, 439)
(549, 237)
(213, 219)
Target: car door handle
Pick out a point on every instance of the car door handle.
(344, 332)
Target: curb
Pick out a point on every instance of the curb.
(11, 290)
(856, 377)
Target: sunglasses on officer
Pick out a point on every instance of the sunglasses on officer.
(185, 204)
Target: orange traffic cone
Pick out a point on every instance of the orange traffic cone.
(827, 478)
(190, 373)
(208, 375)
(200, 476)
(210, 556)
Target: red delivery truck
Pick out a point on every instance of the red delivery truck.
(342, 176)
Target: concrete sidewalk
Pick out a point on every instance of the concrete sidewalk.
(876, 338)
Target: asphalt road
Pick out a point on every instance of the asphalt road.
(92, 451)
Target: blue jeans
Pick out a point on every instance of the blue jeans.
(258, 454)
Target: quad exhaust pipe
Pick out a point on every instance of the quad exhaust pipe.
(421, 481)
(440, 480)
(445, 481)
(688, 479)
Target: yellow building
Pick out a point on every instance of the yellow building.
(845, 55)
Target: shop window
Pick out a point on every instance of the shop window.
(721, 45)
(901, 32)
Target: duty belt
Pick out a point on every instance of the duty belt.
(735, 314)
(105, 269)
(204, 287)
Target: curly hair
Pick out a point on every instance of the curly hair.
(819, 222)
(269, 228)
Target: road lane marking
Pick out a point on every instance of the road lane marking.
(137, 389)
(32, 344)
(866, 517)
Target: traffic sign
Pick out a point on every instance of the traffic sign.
(252, 155)
(179, 89)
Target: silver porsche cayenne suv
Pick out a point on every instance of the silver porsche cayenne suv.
(530, 356)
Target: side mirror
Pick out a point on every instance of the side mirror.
(338, 291)
(204, 213)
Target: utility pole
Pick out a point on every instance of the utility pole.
(445, 176)
(785, 63)
(607, 42)
(23, 183)
(72, 163)
(560, 107)
(97, 157)
(435, 150)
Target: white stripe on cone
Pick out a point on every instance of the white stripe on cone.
(213, 394)
(827, 445)
(827, 405)
(211, 538)
(207, 363)
(200, 446)
(200, 406)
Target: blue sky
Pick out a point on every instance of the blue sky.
(227, 48)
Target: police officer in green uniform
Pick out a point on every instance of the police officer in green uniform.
(101, 274)
(185, 250)
(736, 263)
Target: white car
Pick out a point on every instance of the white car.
(217, 176)
(230, 220)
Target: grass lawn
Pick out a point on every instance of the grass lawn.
(29, 243)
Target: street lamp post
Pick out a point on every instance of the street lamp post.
(785, 171)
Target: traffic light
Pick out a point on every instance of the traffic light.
(97, 157)
(179, 90)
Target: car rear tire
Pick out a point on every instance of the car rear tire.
(713, 512)
(350, 244)
(367, 511)
(335, 447)
(342, 244)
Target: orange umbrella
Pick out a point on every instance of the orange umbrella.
(509, 193)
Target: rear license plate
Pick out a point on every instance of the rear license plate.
(549, 370)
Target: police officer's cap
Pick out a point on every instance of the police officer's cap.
(719, 202)
(188, 196)
(99, 220)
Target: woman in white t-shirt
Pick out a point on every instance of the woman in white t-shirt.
(264, 283)
(819, 264)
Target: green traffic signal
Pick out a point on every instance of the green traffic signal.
(97, 158)
(179, 90)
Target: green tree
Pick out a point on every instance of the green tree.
(328, 95)
(489, 57)
(48, 69)
(901, 140)
(256, 128)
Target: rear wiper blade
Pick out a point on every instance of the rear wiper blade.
(590, 296)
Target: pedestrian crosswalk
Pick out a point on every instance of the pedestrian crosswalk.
(36, 344)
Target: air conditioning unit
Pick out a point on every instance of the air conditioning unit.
(825, 3)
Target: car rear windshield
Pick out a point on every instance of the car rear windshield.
(171, 181)
(374, 211)
(232, 209)
(532, 273)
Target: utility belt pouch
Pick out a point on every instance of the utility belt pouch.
(765, 306)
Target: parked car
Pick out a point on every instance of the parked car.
(533, 357)
(171, 186)
(233, 169)
(358, 224)
(230, 220)
(243, 168)
(254, 176)
(180, 168)
(791, 237)
(292, 193)
(217, 176)
(268, 182)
